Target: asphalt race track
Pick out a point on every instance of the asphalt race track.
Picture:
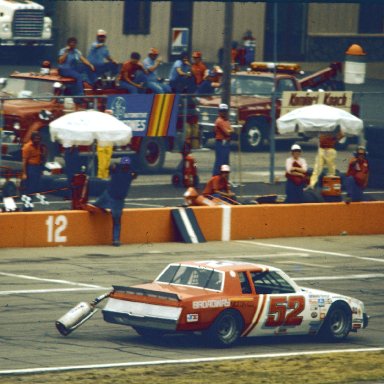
(39, 285)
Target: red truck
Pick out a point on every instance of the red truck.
(33, 99)
(251, 102)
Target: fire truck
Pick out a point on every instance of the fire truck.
(32, 100)
(23, 22)
(251, 100)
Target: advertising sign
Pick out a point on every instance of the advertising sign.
(180, 39)
(297, 99)
(147, 115)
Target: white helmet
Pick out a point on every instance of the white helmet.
(225, 168)
(295, 147)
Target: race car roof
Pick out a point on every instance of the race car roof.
(225, 265)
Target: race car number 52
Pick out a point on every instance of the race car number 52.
(285, 310)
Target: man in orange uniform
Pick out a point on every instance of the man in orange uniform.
(34, 156)
(132, 75)
(223, 132)
(218, 186)
(326, 156)
(357, 175)
(198, 68)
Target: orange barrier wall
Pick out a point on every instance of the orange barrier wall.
(72, 228)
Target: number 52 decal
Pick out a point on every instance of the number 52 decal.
(285, 310)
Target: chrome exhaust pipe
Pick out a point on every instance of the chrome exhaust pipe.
(78, 315)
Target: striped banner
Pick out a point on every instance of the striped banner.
(160, 116)
(147, 114)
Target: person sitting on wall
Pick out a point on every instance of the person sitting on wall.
(72, 63)
(296, 174)
(218, 186)
(357, 175)
(211, 81)
(180, 76)
(151, 64)
(133, 75)
(101, 59)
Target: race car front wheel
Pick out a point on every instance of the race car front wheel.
(226, 329)
(337, 323)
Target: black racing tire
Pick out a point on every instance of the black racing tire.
(254, 135)
(226, 329)
(337, 323)
(149, 333)
(151, 155)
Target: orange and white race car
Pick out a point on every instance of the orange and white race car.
(226, 300)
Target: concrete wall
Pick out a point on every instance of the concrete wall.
(75, 228)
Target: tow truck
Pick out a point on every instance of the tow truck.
(31, 100)
(251, 100)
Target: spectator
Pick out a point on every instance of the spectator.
(326, 156)
(198, 68)
(132, 75)
(223, 132)
(357, 175)
(113, 197)
(151, 63)
(180, 76)
(34, 155)
(73, 64)
(218, 186)
(211, 82)
(101, 59)
(296, 174)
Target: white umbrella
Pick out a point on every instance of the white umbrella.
(85, 127)
(319, 118)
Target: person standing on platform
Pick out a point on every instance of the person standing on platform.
(223, 132)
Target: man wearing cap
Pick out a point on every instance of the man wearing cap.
(212, 81)
(114, 195)
(198, 68)
(151, 63)
(133, 75)
(180, 76)
(100, 57)
(34, 155)
(296, 173)
(218, 186)
(223, 132)
(357, 175)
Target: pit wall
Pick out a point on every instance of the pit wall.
(75, 228)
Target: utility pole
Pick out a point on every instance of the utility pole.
(227, 48)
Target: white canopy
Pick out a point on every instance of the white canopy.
(85, 127)
(319, 118)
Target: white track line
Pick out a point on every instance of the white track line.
(50, 280)
(346, 277)
(53, 290)
(308, 250)
(184, 361)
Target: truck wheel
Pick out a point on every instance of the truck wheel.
(151, 155)
(253, 136)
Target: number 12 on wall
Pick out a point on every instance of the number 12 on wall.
(56, 225)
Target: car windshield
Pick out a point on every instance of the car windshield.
(192, 276)
(28, 88)
(252, 85)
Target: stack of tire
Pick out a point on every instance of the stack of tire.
(374, 136)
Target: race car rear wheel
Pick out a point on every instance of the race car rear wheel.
(226, 329)
(337, 323)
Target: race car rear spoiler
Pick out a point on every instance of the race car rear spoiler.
(146, 292)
